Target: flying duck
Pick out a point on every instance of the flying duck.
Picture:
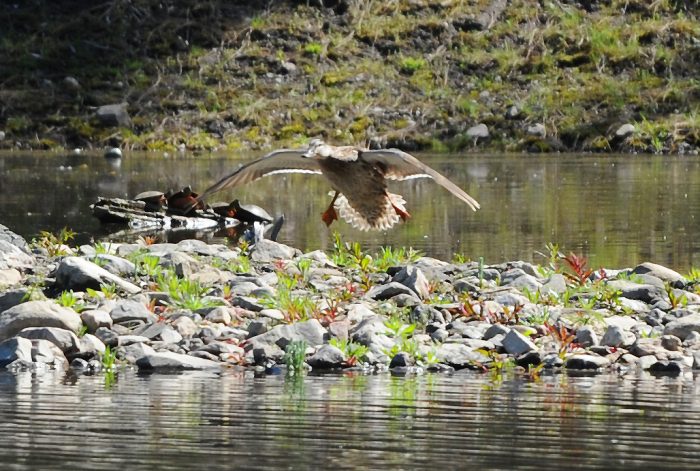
(357, 175)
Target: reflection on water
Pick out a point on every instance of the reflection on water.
(236, 421)
(618, 210)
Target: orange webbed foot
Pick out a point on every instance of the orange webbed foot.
(329, 215)
(401, 212)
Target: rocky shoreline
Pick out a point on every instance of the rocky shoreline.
(193, 305)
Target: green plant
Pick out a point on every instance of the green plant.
(355, 352)
(184, 293)
(294, 357)
(410, 65)
(108, 359)
(313, 49)
(68, 299)
(676, 300)
(54, 244)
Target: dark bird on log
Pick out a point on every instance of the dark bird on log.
(357, 175)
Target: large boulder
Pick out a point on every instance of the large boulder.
(272, 343)
(64, 339)
(414, 279)
(682, 327)
(79, 274)
(175, 361)
(14, 349)
(37, 314)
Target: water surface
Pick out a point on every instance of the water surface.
(236, 421)
(618, 210)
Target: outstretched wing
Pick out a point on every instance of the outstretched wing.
(398, 165)
(279, 161)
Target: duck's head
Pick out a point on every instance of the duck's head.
(317, 148)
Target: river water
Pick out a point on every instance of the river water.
(617, 210)
(233, 420)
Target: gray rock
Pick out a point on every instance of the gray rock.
(388, 291)
(646, 361)
(247, 303)
(494, 330)
(12, 298)
(530, 358)
(12, 257)
(274, 314)
(661, 272)
(526, 282)
(516, 343)
(513, 112)
(586, 362)
(555, 284)
(129, 339)
(424, 314)
(692, 340)
(78, 274)
(107, 336)
(623, 322)
(218, 348)
(10, 277)
(94, 319)
(480, 131)
(671, 343)
(64, 339)
(625, 130)
(130, 310)
(641, 292)
(682, 327)
(184, 265)
(116, 265)
(401, 360)
(258, 327)
(696, 360)
(91, 346)
(71, 84)
(537, 130)
(414, 279)
(266, 251)
(586, 337)
(48, 353)
(464, 285)
(220, 315)
(185, 326)
(615, 336)
(37, 314)
(466, 330)
(326, 357)
(439, 335)
(132, 353)
(175, 361)
(368, 329)
(14, 239)
(159, 331)
(655, 317)
(272, 343)
(459, 356)
(512, 273)
(16, 348)
(113, 115)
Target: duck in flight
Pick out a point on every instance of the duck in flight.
(357, 175)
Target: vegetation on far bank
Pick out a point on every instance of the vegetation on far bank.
(415, 74)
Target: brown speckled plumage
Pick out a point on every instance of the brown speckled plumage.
(357, 175)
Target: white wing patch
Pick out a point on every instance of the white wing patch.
(407, 177)
(291, 170)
